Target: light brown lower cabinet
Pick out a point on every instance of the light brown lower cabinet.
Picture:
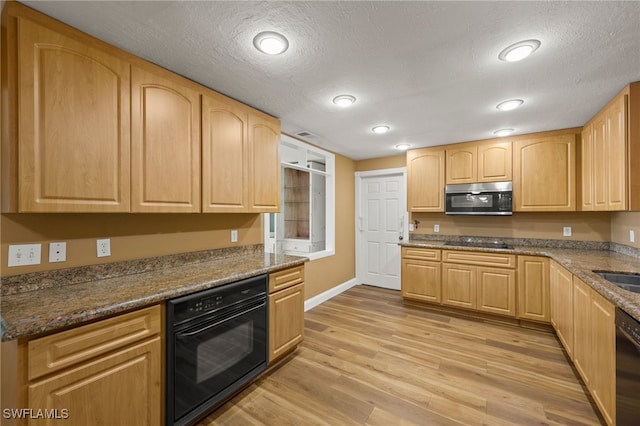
(561, 294)
(533, 288)
(421, 275)
(286, 311)
(585, 324)
(595, 346)
(481, 281)
(108, 372)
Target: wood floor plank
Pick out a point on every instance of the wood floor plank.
(369, 358)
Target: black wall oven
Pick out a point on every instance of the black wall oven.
(216, 343)
(489, 199)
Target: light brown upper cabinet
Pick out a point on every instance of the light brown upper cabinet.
(71, 149)
(610, 155)
(264, 163)
(462, 163)
(240, 157)
(603, 159)
(87, 127)
(544, 172)
(165, 143)
(225, 155)
(488, 161)
(425, 180)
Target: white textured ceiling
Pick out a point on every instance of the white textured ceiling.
(430, 70)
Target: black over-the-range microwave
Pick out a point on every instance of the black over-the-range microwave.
(491, 198)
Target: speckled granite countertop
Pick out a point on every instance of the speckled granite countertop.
(578, 257)
(50, 301)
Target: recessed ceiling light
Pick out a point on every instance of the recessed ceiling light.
(510, 104)
(380, 129)
(403, 146)
(519, 51)
(344, 100)
(503, 132)
(271, 43)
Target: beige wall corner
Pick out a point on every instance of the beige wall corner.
(621, 224)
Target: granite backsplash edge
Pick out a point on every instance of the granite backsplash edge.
(15, 284)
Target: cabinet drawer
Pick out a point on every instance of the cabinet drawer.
(57, 351)
(286, 278)
(420, 253)
(482, 259)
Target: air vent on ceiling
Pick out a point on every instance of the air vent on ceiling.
(305, 134)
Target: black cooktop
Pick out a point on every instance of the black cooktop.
(481, 244)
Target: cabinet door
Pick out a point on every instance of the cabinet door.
(494, 162)
(123, 388)
(459, 285)
(533, 288)
(603, 351)
(264, 164)
(425, 180)
(561, 294)
(586, 169)
(421, 280)
(616, 157)
(165, 144)
(462, 166)
(544, 174)
(225, 155)
(496, 291)
(74, 125)
(599, 164)
(286, 320)
(582, 344)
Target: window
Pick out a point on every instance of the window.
(305, 225)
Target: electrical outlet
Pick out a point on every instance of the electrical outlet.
(436, 228)
(234, 236)
(632, 236)
(24, 254)
(411, 227)
(57, 252)
(566, 231)
(103, 247)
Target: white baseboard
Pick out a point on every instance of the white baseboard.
(332, 292)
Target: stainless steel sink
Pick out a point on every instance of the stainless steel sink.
(625, 280)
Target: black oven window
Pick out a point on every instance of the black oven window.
(223, 351)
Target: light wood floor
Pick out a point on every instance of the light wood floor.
(369, 359)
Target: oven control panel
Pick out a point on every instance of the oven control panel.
(207, 304)
(219, 299)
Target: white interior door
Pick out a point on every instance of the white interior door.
(382, 220)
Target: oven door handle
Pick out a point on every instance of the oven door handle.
(218, 321)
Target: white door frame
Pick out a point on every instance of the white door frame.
(360, 267)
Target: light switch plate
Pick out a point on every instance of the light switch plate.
(234, 236)
(566, 231)
(632, 236)
(436, 228)
(24, 254)
(57, 252)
